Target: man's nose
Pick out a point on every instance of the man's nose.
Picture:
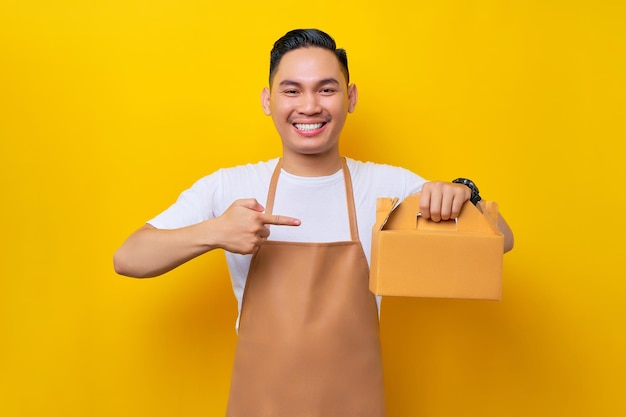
(309, 104)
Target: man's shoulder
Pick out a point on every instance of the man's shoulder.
(383, 179)
(368, 167)
(237, 177)
(243, 173)
(251, 168)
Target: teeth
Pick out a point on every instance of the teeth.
(312, 126)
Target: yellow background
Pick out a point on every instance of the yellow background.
(108, 109)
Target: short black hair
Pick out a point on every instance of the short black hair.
(305, 38)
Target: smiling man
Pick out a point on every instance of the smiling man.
(309, 98)
(296, 231)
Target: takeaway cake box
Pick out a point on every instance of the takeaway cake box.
(415, 257)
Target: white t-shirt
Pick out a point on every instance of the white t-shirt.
(319, 202)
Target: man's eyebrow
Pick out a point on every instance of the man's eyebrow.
(328, 81)
(290, 83)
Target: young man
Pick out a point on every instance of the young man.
(296, 231)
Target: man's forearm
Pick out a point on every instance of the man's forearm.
(150, 252)
(506, 232)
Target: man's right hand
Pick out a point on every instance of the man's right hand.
(244, 226)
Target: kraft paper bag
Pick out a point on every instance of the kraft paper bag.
(415, 257)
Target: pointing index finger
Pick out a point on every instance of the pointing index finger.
(281, 220)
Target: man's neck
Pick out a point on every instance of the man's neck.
(317, 165)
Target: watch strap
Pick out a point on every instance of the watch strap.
(475, 198)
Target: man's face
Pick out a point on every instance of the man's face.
(309, 101)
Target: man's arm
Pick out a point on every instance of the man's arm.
(149, 251)
(503, 226)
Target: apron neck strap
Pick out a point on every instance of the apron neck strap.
(347, 179)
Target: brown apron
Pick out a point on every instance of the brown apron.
(308, 342)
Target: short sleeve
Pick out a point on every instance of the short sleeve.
(194, 205)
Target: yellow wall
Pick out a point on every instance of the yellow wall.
(108, 109)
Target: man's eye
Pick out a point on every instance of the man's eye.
(290, 92)
(328, 90)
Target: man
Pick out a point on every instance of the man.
(296, 231)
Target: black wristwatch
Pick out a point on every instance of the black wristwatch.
(475, 198)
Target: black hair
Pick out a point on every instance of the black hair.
(304, 38)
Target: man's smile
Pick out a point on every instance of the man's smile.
(308, 126)
(309, 129)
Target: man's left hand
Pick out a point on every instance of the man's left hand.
(443, 200)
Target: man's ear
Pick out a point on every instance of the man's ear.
(265, 101)
(353, 95)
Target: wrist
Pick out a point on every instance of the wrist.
(475, 194)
